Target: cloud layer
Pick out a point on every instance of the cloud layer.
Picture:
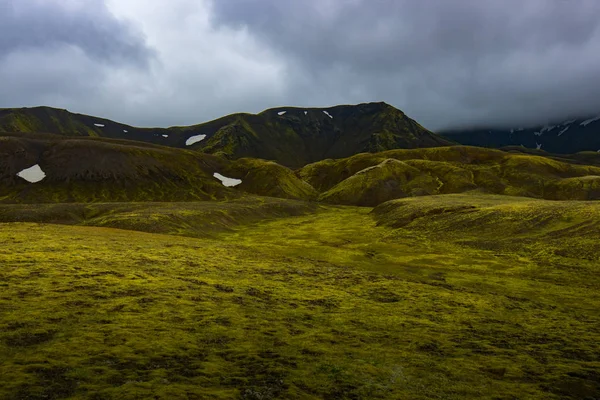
(445, 63)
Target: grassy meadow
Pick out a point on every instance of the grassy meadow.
(440, 297)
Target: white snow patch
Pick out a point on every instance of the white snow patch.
(99, 125)
(227, 181)
(537, 133)
(547, 128)
(326, 113)
(568, 122)
(305, 112)
(165, 135)
(125, 130)
(563, 130)
(538, 146)
(589, 121)
(194, 139)
(32, 174)
(281, 112)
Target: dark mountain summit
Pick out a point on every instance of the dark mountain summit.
(564, 137)
(289, 135)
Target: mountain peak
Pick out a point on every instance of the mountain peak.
(292, 136)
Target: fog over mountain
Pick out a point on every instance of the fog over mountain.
(447, 64)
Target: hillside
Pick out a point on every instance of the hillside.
(571, 136)
(370, 179)
(82, 169)
(44, 168)
(290, 136)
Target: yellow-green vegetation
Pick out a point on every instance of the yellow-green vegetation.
(370, 179)
(196, 219)
(448, 297)
(267, 178)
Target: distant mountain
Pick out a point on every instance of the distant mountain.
(288, 135)
(565, 137)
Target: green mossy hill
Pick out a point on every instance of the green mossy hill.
(370, 179)
(290, 136)
(267, 178)
(91, 170)
(389, 179)
(100, 169)
(195, 219)
(553, 229)
(51, 120)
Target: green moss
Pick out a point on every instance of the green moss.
(483, 300)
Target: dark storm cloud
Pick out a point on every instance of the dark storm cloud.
(31, 25)
(445, 62)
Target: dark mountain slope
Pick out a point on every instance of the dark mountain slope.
(83, 169)
(290, 136)
(572, 136)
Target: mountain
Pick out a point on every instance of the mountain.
(570, 136)
(290, 136)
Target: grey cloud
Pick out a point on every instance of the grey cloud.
(446, 63)
(27, 25)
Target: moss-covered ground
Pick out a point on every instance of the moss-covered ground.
(336, 303)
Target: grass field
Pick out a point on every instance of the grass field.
(443, 297)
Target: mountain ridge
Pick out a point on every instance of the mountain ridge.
(291, 136)
(563, 137)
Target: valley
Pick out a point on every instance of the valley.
(451, 296)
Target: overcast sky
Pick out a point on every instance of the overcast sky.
(446, 63)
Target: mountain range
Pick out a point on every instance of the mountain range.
(568, 136)
(290, 136)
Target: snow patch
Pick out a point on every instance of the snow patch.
(548, 128)
(512, 131)
(305, 112)
(281, 112)
(589, 121)
(563, 130)
(165, 135)
(538, 146)
(194, 139)
(568, 122)
(326, 113)
(125, 130)
(229, 182)
(99, 125)
(32, 174)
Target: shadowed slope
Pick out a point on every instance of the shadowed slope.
(100, 169)
(291, 136)
(96, 170)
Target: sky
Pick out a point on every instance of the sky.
(445, 63)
